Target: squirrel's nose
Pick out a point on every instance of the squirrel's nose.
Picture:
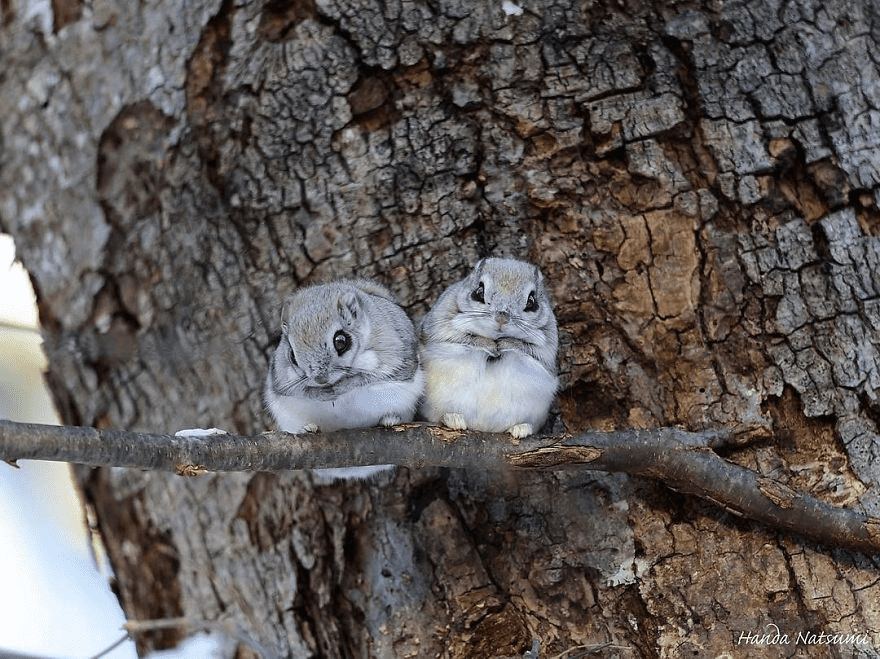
(501, 318)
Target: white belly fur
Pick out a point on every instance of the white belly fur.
(491, 396)
(360, 408)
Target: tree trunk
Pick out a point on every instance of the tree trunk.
(699, 185)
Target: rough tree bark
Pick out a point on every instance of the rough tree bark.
(699, 182)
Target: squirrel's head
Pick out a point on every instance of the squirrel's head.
(325, 334)
(506, 298)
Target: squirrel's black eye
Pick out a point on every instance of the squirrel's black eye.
(341, 342)
(532, 302)
(290, 354)
(477, 295)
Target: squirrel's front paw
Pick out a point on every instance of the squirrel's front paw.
(310, 427)
(509, 343)
(454, 420)
(521, 430)
(389, 420)
(489, 346)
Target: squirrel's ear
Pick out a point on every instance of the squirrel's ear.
(285, 316)
(477, 270)
(349, 307)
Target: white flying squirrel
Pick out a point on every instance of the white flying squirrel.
(488, 347)
(347, 358)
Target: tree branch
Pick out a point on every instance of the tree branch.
(682, 460)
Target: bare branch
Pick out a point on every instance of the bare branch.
(682, 460)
